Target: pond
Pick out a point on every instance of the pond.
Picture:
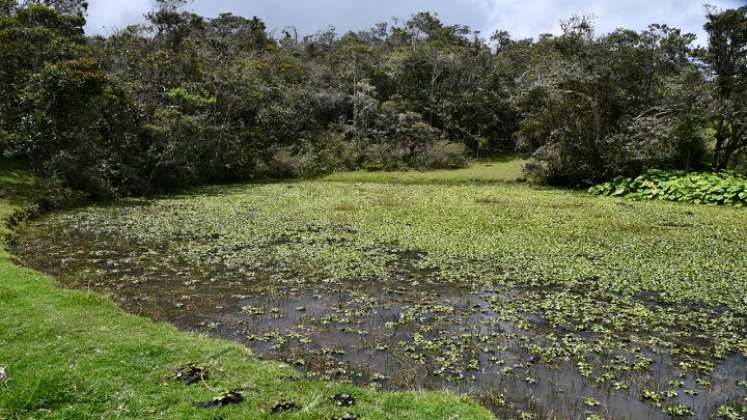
(408, 327)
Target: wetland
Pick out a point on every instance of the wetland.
(537, 302)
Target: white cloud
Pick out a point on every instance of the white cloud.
(105, 16)
(532, 17)
(523, 18)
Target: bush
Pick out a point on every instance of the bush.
(644, 143)
(58, 195)
(536, 172)
(385, 157)
(329, 153)
(726, 188)
(440, 155)
(739, 163)
(335, 153)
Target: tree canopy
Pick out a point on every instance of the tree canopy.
(185, 99)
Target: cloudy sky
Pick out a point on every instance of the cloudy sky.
(523, 18)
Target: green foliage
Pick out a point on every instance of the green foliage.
(679, 411)
(739, 163)
(695, 187)
(440, 155)
(595, 107)
(185, 99)
(729, 413)
(31, 38)
(727, 42)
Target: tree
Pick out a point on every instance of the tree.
(65, 7)
(589, 104)
(185, 99)
(7, 7)
(31, 38)
(727, 58)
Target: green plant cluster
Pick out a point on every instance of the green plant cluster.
(725, 188)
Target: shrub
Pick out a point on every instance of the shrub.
(440, 155)
(535, 172)
(644, 143)
(739, 163)
(335, 153)
(726, 188)
(285, 163)
(59, 195)
(564, 160)
(330, 152)
(385, 157)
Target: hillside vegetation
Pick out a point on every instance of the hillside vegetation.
(184, 99)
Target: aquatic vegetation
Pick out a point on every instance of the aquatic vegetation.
(728, 413)
(483, 287)
(679, 410)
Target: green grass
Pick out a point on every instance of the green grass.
(71, 354)
(505, 169)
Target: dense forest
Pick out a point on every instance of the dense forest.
(185, 99)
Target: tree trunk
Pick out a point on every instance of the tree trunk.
(728, 152)
(718, 149)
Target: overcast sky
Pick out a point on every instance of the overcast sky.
(523, 18)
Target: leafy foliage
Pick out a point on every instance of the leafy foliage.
(727, 59)
(603, 106)
(184, 99)
(698, 187)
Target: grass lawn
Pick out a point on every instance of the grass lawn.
(71, 354)
(501, 169)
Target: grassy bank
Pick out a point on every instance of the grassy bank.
(71, 354)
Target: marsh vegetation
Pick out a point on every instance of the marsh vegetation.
(533, 300)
